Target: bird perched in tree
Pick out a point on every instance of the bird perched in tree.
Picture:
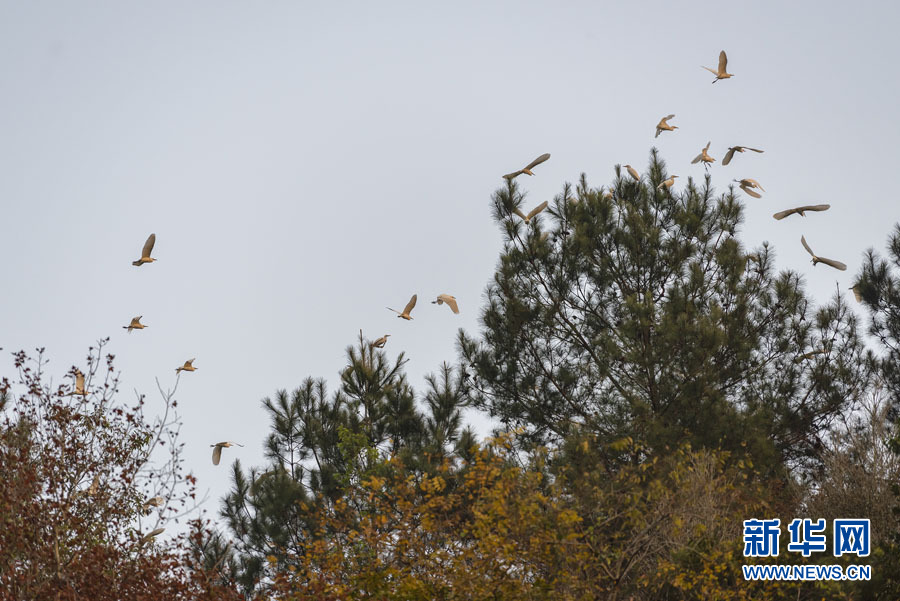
(810, 355)
(154, 502)
(406, 310)
(217, 450)
(734, 149)
(704, 156)
(188, 366)
(79, 384)
(94, 488)
(667, 183)
(449, 300)
(747, 184)
(527, 218)
(380, 342)
(720, 72)
(856, 293)
(135, 324)
(800, 210)
(817, 259)
(633, 172)
(145, 253)
(151, 535)
(529, 167)
(663, 125)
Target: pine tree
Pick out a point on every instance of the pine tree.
(636, 312)
(879, 289)
(321, 445)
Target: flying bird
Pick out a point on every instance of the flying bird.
(154, 502)
(817, 259)
(527, 218)
(529, 167)
(380, 342)
(135, 324)
(145, 253)
(667, 183)
(747, 184)
(188, 366)
(723, 64)
(633, 172)
(151, 535)
(409, 307)
(734, 149)
(704, 156)
(217, 450)
(79, 384)
(663, 125)
(446, 298)
(800, 210)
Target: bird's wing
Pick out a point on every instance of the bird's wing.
(697, 158)
(783, 214)
(657, 132)
(751, 192)
(806, 246)
(754, 149)
(538, 160)
(412, 303)
(537, 210)
(633, 172)
(148, 246)
(707, 146)
(727, 158)
(723, 62)
(754, 182)
(713, 71)
(520, 214)
(217, 454)
(814, 208)
(451, 301)
(833, 263)
(513, 175)
(153, 534)
(667, 117)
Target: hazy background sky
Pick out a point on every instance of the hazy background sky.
(304, 165)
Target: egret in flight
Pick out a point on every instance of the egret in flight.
(816, 259)
(529, 167)
(527, 218)
(145, 253)
(188, 366)
(449, 300)
(723, 64)
(704, 156)
(734, 149)
(800, 211)
(747, 184)
(135, 324)
(406, 310)
(217, 450)
(663, 125)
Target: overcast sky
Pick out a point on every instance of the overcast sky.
(303, 165)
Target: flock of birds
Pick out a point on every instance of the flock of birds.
(747, 185)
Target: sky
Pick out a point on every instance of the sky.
(304, 165)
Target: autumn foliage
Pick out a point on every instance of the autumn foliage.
(78, 470)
